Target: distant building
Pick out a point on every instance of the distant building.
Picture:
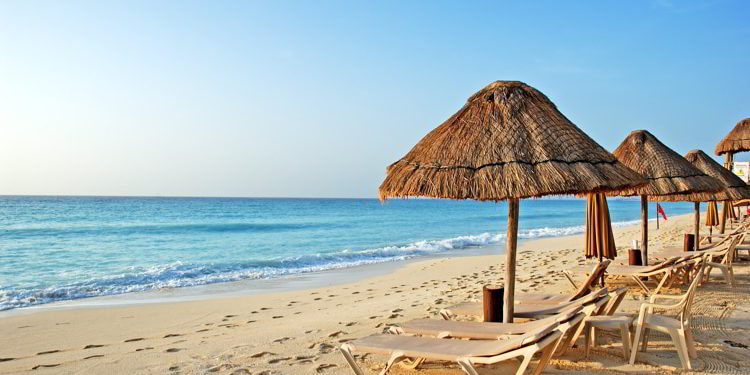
(742, 168)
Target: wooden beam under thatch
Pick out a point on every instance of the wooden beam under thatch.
(734, 188)
(737, 140)
(508, 141)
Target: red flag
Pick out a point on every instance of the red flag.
(660, 210)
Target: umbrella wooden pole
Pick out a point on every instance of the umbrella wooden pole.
(510, 260)
(644, 230)
(728, 160)
(697, 224)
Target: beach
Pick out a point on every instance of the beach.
(298, 331)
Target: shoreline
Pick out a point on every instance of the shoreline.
(292, 282)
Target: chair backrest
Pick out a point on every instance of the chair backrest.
(692, 289)
(590, 283)
(663, 264)
(616, 298)
(732, 250)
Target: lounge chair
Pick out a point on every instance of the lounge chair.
(527, 311)
(661, 272)
(531, 300)
(677, 328)
(595, 303)
(467, 353)
(725, 263)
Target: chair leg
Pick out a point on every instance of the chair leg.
(587, 340)
(678, 337)
(690, 342)
(347, 352)
(636, 341)
(525, 363)
(395, 358)
(547, 354)
(644, 345)
(731, 276)
(625, 335)
(467, 366)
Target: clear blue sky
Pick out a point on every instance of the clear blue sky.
(316, 98)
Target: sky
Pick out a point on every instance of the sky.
(316, 98)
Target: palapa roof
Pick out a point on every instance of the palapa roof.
(667, 172)
(508, 141)
(737, 140)
(734, 187)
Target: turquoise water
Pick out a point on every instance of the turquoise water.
(61, 248)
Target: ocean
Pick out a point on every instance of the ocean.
(63, 248)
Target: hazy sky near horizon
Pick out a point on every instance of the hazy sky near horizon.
(316, 98)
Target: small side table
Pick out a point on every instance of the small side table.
(609, 322)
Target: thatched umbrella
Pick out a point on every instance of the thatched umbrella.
(507, 143)
(738, 140)
(667, 172)
(733, 188)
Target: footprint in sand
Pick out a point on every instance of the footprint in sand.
(350, 324)
(261, 354)
(241, 371)
(173, 350)
(135, 339)
(172, 335)
(94, 356)
(92, 346)
(282, 339)
(250, 321)
(221, 367)
(40, 366)
(277, 316)
(265, 308)
(142, 349)
(277, 360)
(203, 330)
(48, 352)
(324, 366)
(336, 334)
(6, 359)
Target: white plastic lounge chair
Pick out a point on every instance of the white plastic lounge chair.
(467, 353)
(677, 328)
(661, 272)
(530, 301)
(725, 264)
(527, 310)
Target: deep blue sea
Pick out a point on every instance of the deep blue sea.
(62, 248)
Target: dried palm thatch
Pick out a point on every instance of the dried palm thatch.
(508, 141)
(737, 140)
(733, 186)
(667, 172)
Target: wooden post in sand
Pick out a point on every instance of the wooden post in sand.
(510, 260)
(728, 161)
(644, 230)
(697, 224)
